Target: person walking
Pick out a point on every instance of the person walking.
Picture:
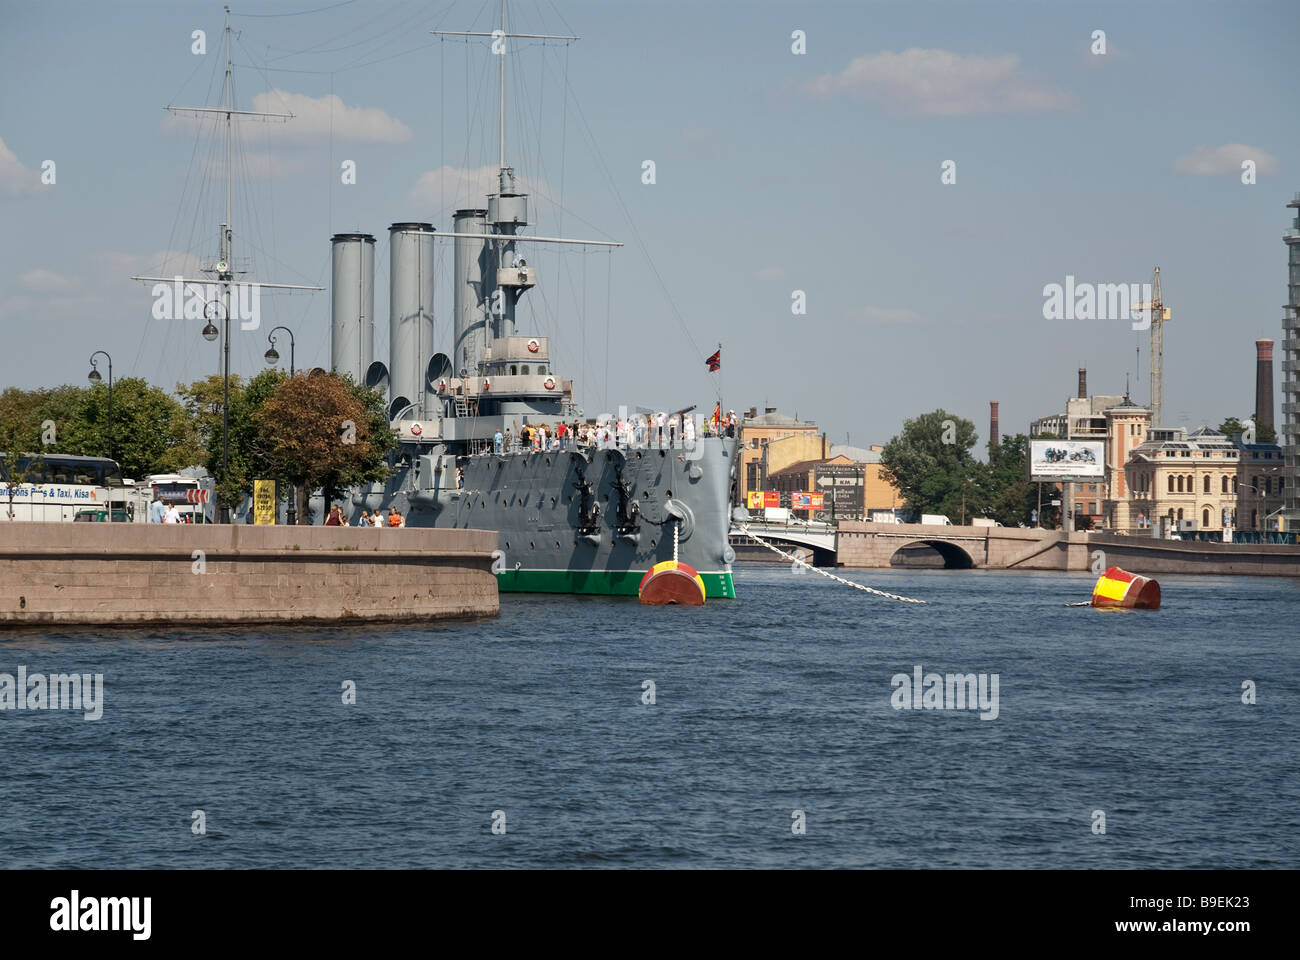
(172, 515)
(335, 518)
(395, 518)
(157, 509)
(365, 519)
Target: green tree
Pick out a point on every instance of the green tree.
(322, 431)
(1263, 432)
(931, 465)
(1013, 497)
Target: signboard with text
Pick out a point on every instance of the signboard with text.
(759, 499)
(808, 501)
(264, 502)
(1055, 460)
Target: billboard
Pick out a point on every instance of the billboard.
(1066, 459)
(264, 502)
(758, 499)
(808, 501)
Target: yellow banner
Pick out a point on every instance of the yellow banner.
(264, 502)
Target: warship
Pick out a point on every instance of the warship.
(591, 519)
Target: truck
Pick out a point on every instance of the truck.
(883, 516)
(984, 522)
(936, 520)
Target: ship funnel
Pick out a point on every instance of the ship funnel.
(352, 304)
(410, 316)
(470, 300)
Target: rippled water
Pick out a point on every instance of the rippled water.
(777, 702)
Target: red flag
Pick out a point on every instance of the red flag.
(715, 361)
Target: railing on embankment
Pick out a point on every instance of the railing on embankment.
(65, 573)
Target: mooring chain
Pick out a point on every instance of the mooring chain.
(880, 593)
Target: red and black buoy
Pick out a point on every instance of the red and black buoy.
(672, 581)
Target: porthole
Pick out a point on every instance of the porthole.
(548, 461)
(531, 545)
(557, 544)
(668, 493)
(507, 544)
(638, 454)
(652, 543)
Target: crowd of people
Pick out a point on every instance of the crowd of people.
(655, 430)
(336, 518)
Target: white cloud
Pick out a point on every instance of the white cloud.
(314, 119)
(941, 83)
(1213, 161)
(15, 179)
(887, 315)
(449, 188)
(40, 280)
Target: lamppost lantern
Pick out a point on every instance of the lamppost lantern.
(272, 356)
(210, 331)
(94, 377)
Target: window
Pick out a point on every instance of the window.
(1205, 484)
(1171, 483)
(1254, 519)
(1205, 517)
(1180, 483)
(1092, 506)
(1180, 514)
(1268, 486)
(513, 370)
(1223, 484)
(524, 371)
(1234, 484)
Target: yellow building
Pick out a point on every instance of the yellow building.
(1183, 481)
(757, 431)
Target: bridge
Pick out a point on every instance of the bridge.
(856, 543)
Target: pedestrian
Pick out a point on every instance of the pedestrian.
(377, 518)
(157, 509)
(394, 518)
(498, 441)
(460, 475)
(172, 515)
(335, 518)
(365, 519)
(688, 430)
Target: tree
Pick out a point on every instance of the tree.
(20, 441)
(1014, 498)
(930, 464)
(1263, 432)
(151, 432)
(322, 431)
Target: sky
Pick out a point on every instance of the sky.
(781, 178)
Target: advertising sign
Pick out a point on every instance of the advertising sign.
(759, 499)
(264, 502)
(1066, 459)
(808, 501)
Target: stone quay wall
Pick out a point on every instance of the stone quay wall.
(128, 573)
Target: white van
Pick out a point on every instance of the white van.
(936, 520)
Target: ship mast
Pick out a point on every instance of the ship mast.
(224, 267)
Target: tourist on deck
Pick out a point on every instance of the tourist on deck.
(661, 420)
(562, 436)
(672, 430)
(498, 442)
(688, 430)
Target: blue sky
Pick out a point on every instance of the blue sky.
(775, 172)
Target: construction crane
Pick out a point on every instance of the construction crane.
(1159, 317)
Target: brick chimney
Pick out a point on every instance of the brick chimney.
(994, 437)
(1083, 381)
(1263, 383)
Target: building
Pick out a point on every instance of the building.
(1290, 433)
(758, 430)
(1182, 481)
(1127, 427)
(1260, 486)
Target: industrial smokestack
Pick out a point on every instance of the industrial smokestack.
(1083, 381)
(994, 437)
(352, 304)
(1263, 384)
(410, 315)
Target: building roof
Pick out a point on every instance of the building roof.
(775, 419)
(856, 454)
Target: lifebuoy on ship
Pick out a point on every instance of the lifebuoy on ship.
(549, 383)
(416, 429)
(442, 386)
(487, 384)
(534, 345)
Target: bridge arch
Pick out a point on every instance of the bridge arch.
(955, 556)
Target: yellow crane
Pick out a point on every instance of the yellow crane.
(1159, 317)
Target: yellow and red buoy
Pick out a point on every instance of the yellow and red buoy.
(672, 581)
(1119, 588)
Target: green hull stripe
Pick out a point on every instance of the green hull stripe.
(609, 582)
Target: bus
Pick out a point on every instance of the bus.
(192, 496)
(55, 487)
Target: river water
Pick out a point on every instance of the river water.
(770, 713)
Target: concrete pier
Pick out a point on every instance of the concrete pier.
(100, 573)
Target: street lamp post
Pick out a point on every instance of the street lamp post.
(272, 355)
(94, 377)
(210, 333)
